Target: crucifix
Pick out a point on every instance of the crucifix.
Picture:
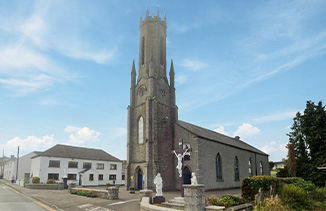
(180, 154)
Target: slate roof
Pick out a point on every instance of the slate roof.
(214, 136)
(65, 151)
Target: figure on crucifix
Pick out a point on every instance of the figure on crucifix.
(180, 157)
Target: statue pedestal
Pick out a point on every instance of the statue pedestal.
(158, 199)
(194, 197)
(146, 193)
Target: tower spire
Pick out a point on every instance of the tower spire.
(147, 10)
(158, 12)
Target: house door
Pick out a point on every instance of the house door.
(186, 175)
(140, 179)
(80, 179)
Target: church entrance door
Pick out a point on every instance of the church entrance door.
(186, 175)
(140, 179)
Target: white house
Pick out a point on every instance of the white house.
(9, 168)
(24, 168)
(83, 166)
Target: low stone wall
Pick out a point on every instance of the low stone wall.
(43, 186)
(146, 206)
(112, 192)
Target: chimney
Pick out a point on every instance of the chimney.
(237, 138)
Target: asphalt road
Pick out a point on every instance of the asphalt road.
(12, 200)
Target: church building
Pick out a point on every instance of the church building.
(154, 130)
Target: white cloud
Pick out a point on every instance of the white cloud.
(81, 135)
(192, 64)
(117, 132)
(28, 144)
(181, 78)
(273, 143)
(283, 147)
(246, 130)
(34, 29)
(268, 149)
(276, 117)
(221, 130)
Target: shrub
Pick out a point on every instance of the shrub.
(295, 197)
(51, 181)
(319, 194)
(212, 200)
(251, 185)
(229, 200)
(36, 180)
(108, 185)
(271, 204)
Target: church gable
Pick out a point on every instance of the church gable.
(217, 137)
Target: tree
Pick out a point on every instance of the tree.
(271, 165)
(308, 137)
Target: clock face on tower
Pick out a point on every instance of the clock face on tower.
(141, 90)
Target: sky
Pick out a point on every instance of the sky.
(243, 68)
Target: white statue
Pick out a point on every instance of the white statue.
(193, 179)
(180, 157)
(158, 181)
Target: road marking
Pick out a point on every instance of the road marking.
(123, 202)
(84, 206)
(90, 207)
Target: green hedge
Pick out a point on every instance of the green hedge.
(250, 185)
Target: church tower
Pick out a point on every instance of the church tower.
(152, 112)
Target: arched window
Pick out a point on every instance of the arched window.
(218, 167)
(161, 51)
(142, 50)
(261, 168)
(236, 169)
(141, 130)
(250, 168)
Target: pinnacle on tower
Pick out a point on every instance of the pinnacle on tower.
(133, 74)
(158, 12)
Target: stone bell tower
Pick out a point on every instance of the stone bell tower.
(152, 111)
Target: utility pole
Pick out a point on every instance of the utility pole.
(17, 163)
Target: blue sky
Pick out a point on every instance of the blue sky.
(242, 68)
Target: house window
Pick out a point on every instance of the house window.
(123, 177)
(100, 177)
(113, 166)
(72, 164)
(261, 168)
(91, 177)
(100, 166)
(112, 177)
(218, 167)
(87, 165)
(72, 176)
(250, 168)
(236, 169)
(54, 163)
(141, 130)
(53, 176)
